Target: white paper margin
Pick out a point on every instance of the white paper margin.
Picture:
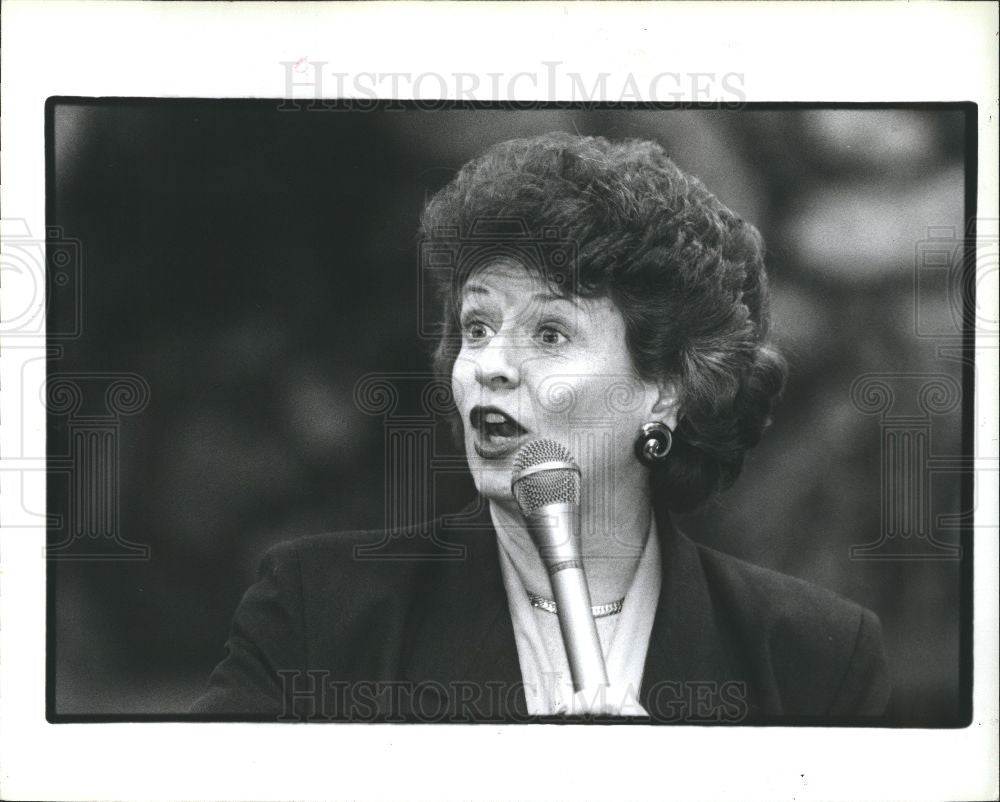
(786, 52)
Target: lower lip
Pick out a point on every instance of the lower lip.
(490, 448)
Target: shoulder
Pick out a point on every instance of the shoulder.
(376, 551)
(331, 565)
(772, 599)
(818, 652)
(354, 572)
(336, 602)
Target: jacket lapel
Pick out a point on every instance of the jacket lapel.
(689, 656)
(462, 649)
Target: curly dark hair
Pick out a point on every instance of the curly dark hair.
(685, 271)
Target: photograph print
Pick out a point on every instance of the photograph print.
(481, 414)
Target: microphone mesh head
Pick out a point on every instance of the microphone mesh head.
(558, 485)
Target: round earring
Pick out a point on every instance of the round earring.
(653, 443)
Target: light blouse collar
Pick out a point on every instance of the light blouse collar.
(624, 637)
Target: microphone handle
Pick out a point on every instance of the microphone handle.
(583, 647)
(555, 530)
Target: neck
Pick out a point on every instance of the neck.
(612, 543)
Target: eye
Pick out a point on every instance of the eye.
(550, 335)
(476, 331)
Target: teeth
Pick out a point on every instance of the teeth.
(495, 417)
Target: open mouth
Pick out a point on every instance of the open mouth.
(498, 433)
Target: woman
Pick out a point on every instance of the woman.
(598, 297)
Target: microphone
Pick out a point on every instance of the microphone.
(546, 485)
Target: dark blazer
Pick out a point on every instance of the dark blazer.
(334, 632)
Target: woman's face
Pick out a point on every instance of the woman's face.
(535, 365)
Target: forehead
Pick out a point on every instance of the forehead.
(508, 281)
(524, 292)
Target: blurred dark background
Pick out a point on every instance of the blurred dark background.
(252, 264)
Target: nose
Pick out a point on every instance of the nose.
(497, 364)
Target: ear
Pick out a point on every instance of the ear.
(667, 406)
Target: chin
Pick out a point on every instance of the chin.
(493, 483)
(492, 477)
(495, 491)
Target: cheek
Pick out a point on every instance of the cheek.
(603, 399)
(597, 408)
(461, 378)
